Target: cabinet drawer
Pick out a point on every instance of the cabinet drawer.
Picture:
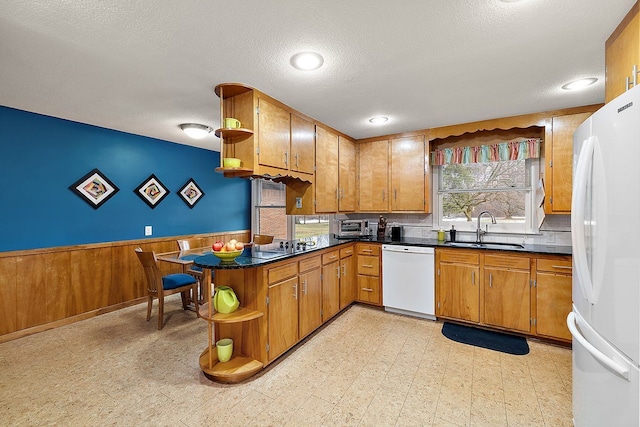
(278, 274)
(460, 256)
(366, 249)
(309, 264)
(560, 265)
(345, 252)
(368, 265)
(329, 257)
(521, 263)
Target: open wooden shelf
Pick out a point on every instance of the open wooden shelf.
(237, 369)
(242, 314)
(239, 171)
(237, 134)
(229, 90)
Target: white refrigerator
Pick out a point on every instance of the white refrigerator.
(605, 231)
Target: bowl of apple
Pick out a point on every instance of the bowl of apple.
(228, 252)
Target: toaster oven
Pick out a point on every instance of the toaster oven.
(353, 228)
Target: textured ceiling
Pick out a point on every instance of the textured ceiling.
(144, 67)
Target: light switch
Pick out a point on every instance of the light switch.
(299, 202)
(148, 230)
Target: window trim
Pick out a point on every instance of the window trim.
(528, 227)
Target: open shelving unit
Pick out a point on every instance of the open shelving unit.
(240, 366)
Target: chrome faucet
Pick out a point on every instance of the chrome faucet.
(480, 231)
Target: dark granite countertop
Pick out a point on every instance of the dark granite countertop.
(257, 256)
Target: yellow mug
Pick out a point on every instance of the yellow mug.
(225, 349)
(231, 123)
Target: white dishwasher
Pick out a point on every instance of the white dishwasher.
(408, 280)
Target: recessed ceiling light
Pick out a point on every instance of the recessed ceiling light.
(195, 130)
(307, 61)
(378, 120)
(579, 84)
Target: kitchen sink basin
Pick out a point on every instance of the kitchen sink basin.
(487, 245)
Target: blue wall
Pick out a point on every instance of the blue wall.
(41, 156)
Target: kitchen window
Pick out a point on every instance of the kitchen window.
(270, 215)
(504, 188)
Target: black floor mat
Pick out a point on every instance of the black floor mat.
(487, 339)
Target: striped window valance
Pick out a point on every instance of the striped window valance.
(511, 150)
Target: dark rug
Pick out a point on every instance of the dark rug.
(487, 339)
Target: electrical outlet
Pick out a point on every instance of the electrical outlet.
(148, 230)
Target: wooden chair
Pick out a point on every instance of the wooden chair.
(185, 245)
(160, 286)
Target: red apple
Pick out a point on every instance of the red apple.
(217, 246)
(239, 246)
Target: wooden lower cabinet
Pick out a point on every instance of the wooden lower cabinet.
(507, 298)
(368, 271)
(330, 289)
(517, 292)
(348, 288)
(458, 295)
(553, 293)
(310, 301)
(283, 316)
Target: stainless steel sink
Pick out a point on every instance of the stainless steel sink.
(486, 245)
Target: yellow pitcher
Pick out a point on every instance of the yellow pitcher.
(225, 300)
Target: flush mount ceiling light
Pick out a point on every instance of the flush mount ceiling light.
(378, 120)
(579, 84)
(195, 130)
(307, 61)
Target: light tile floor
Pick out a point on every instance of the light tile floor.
(366, 368)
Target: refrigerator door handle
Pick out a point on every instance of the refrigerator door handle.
(578, 202)
(597, 354)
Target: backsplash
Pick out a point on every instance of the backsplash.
(555, 230)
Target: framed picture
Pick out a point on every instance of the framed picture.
(94, 188)
(152, 191)
(191, 193)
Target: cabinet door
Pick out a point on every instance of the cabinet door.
(330, 290)
(274, 135)
(559, 162)
(621, 54)
(283, 316)
(507, 298)
(310, 305)
(348, 289)
(374, 176)
(326, 171)
(408, 174)
(347, 175)
(553, 305)
(369, 289)
(303, 145)
(459, 292)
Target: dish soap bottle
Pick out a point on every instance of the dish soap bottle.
(441, 236)
(452, 234)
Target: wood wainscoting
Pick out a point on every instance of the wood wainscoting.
(42, 289)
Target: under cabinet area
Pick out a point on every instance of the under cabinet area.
(519, 292)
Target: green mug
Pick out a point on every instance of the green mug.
(231, 123)
(225, 349)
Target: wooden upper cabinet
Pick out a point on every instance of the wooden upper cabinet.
(622, 52)
(303, 145)
(347, 175)
(326, 182)
(408, 174)
(274, 135)
(373, 184)
(558, 168)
